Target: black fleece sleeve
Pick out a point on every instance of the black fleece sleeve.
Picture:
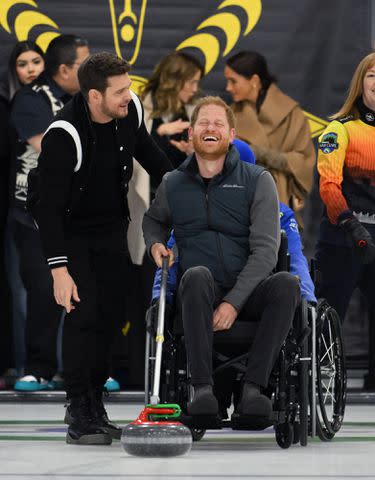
(150, 156)
(57, 161)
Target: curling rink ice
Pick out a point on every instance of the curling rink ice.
(32, 446)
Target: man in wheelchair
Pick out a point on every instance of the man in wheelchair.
(225, 217)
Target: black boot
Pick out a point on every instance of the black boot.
(83, 428)
(253, 402)
(204, 401)
(101, 415)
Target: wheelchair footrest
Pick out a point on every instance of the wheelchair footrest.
(213, 422)
(251, 422)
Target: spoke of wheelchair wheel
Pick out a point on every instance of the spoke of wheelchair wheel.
(328, 351)
(331, 342)
(328, 393)
(329, 354)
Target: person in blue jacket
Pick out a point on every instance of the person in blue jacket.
(288, 223)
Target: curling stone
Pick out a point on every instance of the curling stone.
(145, 438)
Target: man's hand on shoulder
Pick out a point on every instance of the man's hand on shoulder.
(64, 288)
(224, 317)
(158, 251)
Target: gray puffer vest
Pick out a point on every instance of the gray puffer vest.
(212, 224)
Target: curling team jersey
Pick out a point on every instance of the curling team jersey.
(346, 164)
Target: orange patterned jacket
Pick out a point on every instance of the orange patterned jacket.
(346, 164)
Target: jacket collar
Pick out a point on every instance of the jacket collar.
(275, 107)
(57, 91)
(366, 114)
(190, 165)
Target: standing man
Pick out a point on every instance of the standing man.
(225, 217)
(33, 110)
(84, 170)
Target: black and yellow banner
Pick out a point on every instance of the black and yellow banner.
(311, 45)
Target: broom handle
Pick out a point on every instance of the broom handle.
(160, 331)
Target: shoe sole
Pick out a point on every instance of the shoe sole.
(115, 435)
(97, 439)
(250, 422)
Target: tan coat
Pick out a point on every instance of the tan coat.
(280, 137)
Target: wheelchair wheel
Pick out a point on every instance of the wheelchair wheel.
(296, 433)
(303, 370)
(284, 433)
(197, 433)
(331, 373)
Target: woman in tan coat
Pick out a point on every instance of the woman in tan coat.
(273, 124)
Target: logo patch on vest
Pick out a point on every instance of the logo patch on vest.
(234, 185)
(329, 143)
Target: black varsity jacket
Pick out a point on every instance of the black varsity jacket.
(64, 175)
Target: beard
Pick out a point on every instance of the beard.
(207, 152)
(119, 113)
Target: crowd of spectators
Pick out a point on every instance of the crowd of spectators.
(37, 85)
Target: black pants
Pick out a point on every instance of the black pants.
(43, 314)
(272, 304)
(340, 273)
(98, 263)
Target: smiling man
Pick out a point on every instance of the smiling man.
(225, 217)
(85, 165)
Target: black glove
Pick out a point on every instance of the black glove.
(360, 239)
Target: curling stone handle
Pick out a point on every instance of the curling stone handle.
(160, 330)
(146, 412)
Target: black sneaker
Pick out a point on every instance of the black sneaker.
(204, 401)
(253, 402)
(101, 415)
(83, 428)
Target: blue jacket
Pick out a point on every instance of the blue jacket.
(298, 262)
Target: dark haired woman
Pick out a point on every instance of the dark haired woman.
(24, 65)
(273, 124)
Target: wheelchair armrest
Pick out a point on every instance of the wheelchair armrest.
(283, 257)
(152, 315)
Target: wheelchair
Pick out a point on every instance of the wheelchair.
(307, 385)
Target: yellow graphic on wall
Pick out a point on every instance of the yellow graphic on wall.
(317, 125)
(229, 23)
(128, 21)
(127, 25)
(26, 21)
